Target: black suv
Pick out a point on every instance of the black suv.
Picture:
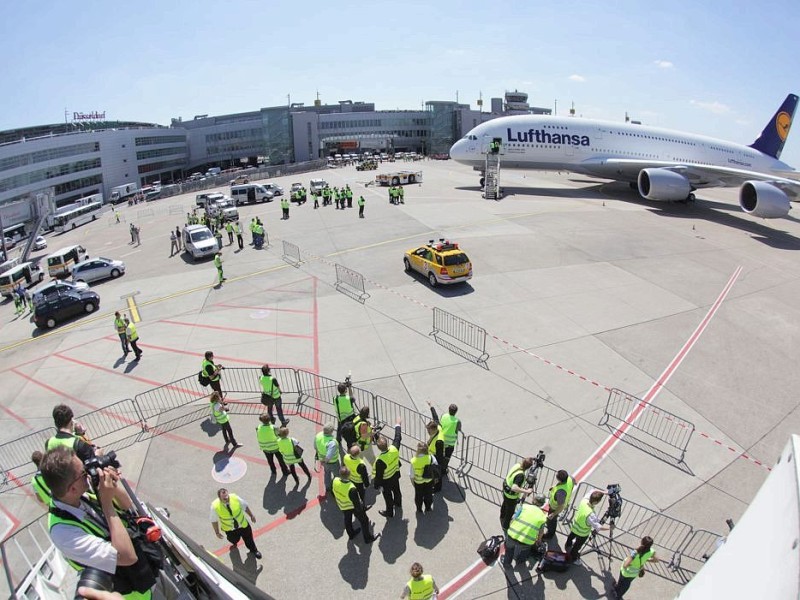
(63, 305)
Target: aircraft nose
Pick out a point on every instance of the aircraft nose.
(458, 151)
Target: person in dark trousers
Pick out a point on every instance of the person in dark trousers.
(584, 522)
(228, 514)
(267, 436)
(386, 472)
(512, 490)
(359, 470)
(119, 325)
(133, 338)
(345, 408)
(633, 566)
(349, 502)
(271, 394)
(212, 371)
(219, 410)
(436, 449)
(292, 454)
(451, 426)
(237, 229)
(421, 477)
(560, 495)
(361, 207)
(178, 235)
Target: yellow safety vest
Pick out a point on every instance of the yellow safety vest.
(268, 386)
(449, 425)
(41, 489)
(353, 464)
(439, 436)
(580, 523)
(286, 446)
(341, 491)
(391, 458)
(637, 564)
(206, 363)
(120, 325)
(344, 406)
(321, 442)
(364, 440)
(515, 470)
(525, 527)
(567, 487)
(219, 415)
(54, 442)
(422, 588)
(418, 463)
(230, 519)
(132, 334)
(267, 437)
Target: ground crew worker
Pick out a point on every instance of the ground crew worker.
(512, 489)
(42, 492)
(219, 410)
(391, 194)
(285, 208)
(344, 406)
(359, 470)
(420, 586)
(348, 194)
(237, 229)
(212, 371)
(63, 419)
(560, 495)
(271, 394)
(583, 523)
(401, 194)
(292, 455)
(116, 214)
(633, 566)
(386, 472)
(525, 531)
(218, 263)
(218, 236)
(315, 193)
(119, 325)
(267, 436)
(133, 337)
(229, 229)
(88, 530)
(19, 308)
(178, 237)
(349, 502)
(252, 231)
(436, 449)
(327, 449)
(451, 426)
(361, 207)
(422, 478)
(173, 248)
(228, 514)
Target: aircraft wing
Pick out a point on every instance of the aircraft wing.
(702, 176)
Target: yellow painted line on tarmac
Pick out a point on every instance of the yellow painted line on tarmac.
(133, 310)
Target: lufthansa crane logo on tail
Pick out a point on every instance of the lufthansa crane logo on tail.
(783, 121)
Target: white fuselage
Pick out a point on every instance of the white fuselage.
(582, 145)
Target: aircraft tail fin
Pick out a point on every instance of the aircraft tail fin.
(774, 136)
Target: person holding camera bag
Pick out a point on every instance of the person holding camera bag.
(633, 566)
(292, 454)
(88, 529)
(212, 371)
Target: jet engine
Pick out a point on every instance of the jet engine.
(662, 184)
(764, 200)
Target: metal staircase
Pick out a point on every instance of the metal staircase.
(491, 183)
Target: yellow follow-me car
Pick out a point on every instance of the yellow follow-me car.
(440, 262)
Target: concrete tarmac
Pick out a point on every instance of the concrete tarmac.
(581, 287)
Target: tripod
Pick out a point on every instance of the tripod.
(594, 546)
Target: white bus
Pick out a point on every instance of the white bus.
(16, 233)
(77, 216)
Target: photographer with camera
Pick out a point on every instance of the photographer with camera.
(560, 495)
(212, 371)
(584, 523)
(513, 490)
(525, 531)
(345, 408)
(88, 529)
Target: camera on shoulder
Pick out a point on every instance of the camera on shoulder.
(96, 464)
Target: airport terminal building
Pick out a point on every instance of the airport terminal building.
(80, 159)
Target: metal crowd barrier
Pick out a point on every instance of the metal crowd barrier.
(665, 434)
(459, 336)
(350, 283)
(32, 564)
(291, 254)
(479, 463)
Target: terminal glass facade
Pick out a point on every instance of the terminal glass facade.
(277, 135)
(38, 175)
(443, 125)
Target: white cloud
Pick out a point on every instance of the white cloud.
(663, 64)
(742, 122)
(714, 107)
(578, 78)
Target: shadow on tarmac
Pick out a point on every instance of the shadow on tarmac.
(249, 569)
(394, 537)
(433, 526)
(274, 498)
(354, 566)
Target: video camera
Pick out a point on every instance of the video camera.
(614, 502)
(532, 474)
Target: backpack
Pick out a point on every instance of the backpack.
(202, 379)
(349, 433)
(489, 549)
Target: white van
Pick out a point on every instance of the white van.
(250, 194)
(199, 241)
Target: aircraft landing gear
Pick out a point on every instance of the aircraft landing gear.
(690, 198)
(483, 181)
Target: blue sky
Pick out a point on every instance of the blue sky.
(714, 68)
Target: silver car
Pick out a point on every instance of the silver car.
(94, 269)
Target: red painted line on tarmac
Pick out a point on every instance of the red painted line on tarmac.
(46, 356)
(14, 522)
(238, 330)
(15, 416)
(19, 485)
(276, 523)
(269, 308)
(479, 568)
(202, 355)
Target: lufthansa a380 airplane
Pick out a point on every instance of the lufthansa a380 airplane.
(663, 164)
